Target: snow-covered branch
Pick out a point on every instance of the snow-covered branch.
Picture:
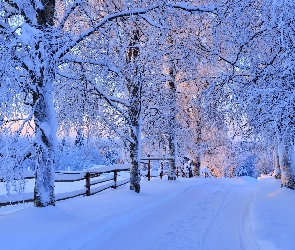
(140, 11)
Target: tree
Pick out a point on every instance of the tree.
(30, 26)
(254, 87)
(44, 47)
(124, 82)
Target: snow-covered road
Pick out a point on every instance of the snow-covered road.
(230, 227)
(183, 214)
(206, 216)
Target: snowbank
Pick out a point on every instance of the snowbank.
(274, 215)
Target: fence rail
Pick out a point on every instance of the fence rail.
(92, 177)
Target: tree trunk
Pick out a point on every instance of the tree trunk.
(134, 90)
(172, 126)
(196, 164)
(286, 161)
(44, 114)
(45, 141)
(172, 165)
(135, 145)
(134, 169)
(277, 170)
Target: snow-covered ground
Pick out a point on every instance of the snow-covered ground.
(196, 213)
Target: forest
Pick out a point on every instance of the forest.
(86, 82)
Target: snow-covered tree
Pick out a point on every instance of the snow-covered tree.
(124, 83)
(254, 88)
(30, 27)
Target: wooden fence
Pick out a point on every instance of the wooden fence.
(149, 173)
(95, 179)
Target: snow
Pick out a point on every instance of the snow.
(27, 33)
(45, 128)
(103, 168)
(152, 173)
(151, 21)
(274, 210)
(74, 193)
(196, 213)
(69, 177)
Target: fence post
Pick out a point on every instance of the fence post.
(115, 178)
(149, 169)
(162, 171)
(87, 177)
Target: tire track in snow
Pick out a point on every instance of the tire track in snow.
(230, 228)
(138, 223)
(177, 223)
(211, 225)
(213, 215)
(249, 241)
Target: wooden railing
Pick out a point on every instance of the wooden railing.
(94, 182)
(149, 173)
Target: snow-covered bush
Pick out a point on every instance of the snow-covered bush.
(76, 157)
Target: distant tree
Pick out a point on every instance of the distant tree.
(79, 139)
(253, 91)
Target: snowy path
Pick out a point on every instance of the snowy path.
(231, 226)
(206, 216)
(195, 214)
